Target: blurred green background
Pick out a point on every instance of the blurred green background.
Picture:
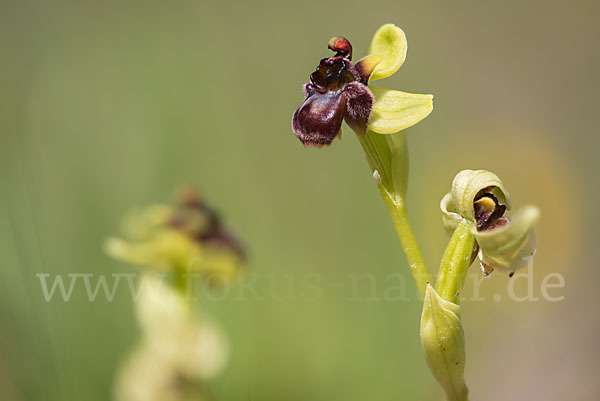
(110, 105)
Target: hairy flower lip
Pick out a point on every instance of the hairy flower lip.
(318, 120)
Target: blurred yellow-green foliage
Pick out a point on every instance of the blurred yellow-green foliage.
(110, 105)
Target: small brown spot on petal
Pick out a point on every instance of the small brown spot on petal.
(485, 269)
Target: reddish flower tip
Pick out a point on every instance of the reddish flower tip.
(341, 46)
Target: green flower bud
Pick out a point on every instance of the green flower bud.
(443, 342)
(479, 196)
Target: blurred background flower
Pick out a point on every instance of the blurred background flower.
(179, 349)
(186, 238)
(105, 105)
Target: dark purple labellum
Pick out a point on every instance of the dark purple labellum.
(337, 91)
(319, 119)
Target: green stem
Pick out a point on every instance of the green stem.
(388, 156)
(409, 242)
(181, 283)
(455, 263)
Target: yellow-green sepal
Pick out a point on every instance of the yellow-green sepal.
(511, 246)
(165, 250)
(390, 41)
(394, 111)
(450, 218)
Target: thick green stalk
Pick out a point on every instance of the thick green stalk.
(455, 263)
(410, 245)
